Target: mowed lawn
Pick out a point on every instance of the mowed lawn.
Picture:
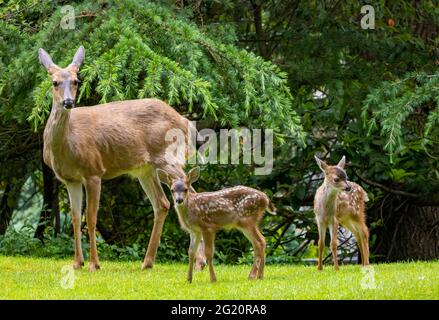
(30, 278)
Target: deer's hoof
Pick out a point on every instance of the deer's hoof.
(93, 266)
(319, 268)
(77, 265)
(147, 264)
(199, 265)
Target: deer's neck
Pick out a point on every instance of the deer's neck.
(329, 197)
(57, 127)
(183, 213)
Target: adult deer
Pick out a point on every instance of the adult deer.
(336, 201)
(203, 214)
(87, 144)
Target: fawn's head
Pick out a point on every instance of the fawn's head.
(335, 176)
(64, 80)
(180, 187)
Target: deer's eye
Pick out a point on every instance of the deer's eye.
(336, 180)
(55, 83)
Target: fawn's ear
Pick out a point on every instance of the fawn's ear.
(193, 175)
(78, 58)
(342, 162)
(322, 164)
(163, 177)
(45, 59)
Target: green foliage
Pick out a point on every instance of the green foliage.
(136, 49)
(394, 102)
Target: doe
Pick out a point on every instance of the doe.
(336, 201)
(203, 214)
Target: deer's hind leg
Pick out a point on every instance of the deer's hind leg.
(361, 234)
(153, 189)
(363, 241)
(258, 241)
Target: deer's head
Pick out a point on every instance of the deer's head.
(335, 176)
(179, 187)
(64, 80)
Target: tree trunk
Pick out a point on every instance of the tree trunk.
(50, 208)
(407, 231)
(5, 210)
(260, 34)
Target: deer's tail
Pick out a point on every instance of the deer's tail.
(271, 208)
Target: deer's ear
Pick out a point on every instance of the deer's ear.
(322, 164)
(163, 177)
(45, 59)
(78, 58)
(193, 175)
(342, 162)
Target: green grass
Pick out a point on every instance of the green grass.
(31, 278)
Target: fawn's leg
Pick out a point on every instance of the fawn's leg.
(322, 235)
(364, 236)
(75, 195)
(93, 191)
(359, 244)
(209, 239)
(258, 242)
(195, 241)
(200, 257)
(333, 231)
(154, 191)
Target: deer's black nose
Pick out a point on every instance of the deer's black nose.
(68, 103)
(179, 200)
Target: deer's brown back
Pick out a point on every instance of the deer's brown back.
(115, 138)
(227, 207)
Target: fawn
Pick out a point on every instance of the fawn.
(203, 214)
(336, 201)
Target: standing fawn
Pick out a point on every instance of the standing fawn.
(85, 145)
(203, 214)
(336, 201)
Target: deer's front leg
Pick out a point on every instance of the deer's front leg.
(75, 195)
(333, 230)
(200, 257)
(209, 239)
(93, 190)
(195, 242)
(322, 235)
